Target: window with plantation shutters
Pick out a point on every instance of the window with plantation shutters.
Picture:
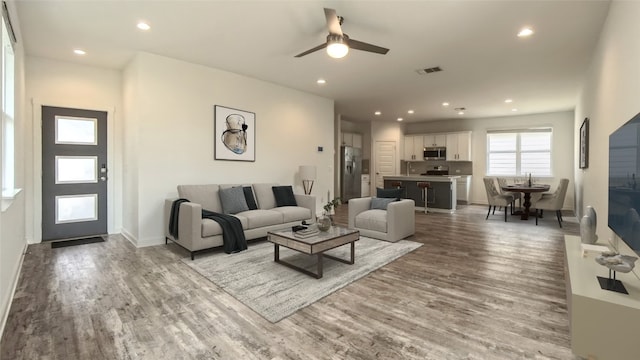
(519, 152)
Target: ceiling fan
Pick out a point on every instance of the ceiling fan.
(338, 43)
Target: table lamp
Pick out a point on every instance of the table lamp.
(308, 175)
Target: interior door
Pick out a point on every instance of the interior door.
(74, 173)
(385, 161)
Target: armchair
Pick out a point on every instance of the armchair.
(395, 223)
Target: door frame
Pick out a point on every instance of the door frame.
(36, 112)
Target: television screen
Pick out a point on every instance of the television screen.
(624, 183)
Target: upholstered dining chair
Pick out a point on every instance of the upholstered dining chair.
(495, 198)
(553, 201)
(502, 182)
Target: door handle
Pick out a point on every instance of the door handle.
(103, 178)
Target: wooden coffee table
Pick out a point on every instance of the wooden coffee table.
(314, 245)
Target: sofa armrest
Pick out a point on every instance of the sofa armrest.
(401, 218)
(189, 224)
(309, 202)
(356, 206)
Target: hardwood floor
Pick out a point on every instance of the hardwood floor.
(476, 290)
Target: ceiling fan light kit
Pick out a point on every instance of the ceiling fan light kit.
(338, 43)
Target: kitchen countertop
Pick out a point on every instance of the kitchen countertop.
(441, 178)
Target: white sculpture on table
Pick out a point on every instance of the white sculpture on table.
(615, 262)
(588, 225)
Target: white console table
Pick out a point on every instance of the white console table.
(603, 324)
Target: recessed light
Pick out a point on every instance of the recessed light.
(525, 32)
(410, 112)
(143, 26)
(445, 104)
(508, 101)
(79, 52)
(321, 81)
(400, 119)
(514, 110)
(460, 112)
(377, 113)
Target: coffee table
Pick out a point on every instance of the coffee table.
(314, 245)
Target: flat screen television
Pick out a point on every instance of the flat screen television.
(624, 183)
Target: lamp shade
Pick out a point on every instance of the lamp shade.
(307, 172)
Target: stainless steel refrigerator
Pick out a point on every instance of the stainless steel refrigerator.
(350, 171)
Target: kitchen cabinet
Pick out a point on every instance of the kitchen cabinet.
(413, 148)
(352, 139)
(459, 146)
(442, 195)
(463, 187)
(435, 140)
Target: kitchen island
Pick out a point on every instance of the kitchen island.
(441, 197)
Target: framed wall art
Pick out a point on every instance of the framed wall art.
(234, 134)
(584, 144)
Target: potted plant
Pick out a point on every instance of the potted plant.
(325, 221)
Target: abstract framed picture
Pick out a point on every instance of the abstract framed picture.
(234, 134)
(584, 144)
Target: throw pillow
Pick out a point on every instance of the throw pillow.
(389, 193)
(248, 196)
(381, 203)
(233, 200)
(284, 196)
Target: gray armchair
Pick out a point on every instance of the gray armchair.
(397, 222)
(494, 198)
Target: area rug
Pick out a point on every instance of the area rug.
(275, 291)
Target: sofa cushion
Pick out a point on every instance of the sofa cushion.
(380, 203)
(233, 200)
(284, 196)
(264, 196)
(389, 193)
(248, 196)
(205, 195)
(260, 218)
(293, 213)
(212, 228)
(375, 220)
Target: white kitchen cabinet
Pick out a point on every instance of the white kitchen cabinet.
(463, 187)
(413, 148)
(459, 146)
(435, 140)
(352, 139)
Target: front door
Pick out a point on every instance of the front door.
(74, 173)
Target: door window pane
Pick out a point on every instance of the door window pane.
(76, 131)
(76, 169)
(76, 208)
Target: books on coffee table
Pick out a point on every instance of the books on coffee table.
(308, 232)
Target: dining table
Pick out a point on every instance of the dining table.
(527, 190)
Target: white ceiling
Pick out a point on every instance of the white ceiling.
(474, 42)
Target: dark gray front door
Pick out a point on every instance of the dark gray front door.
(74, 173)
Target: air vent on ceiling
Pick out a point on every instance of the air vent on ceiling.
(428, 70)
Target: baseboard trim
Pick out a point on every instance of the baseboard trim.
(141, 243)
(12, 293)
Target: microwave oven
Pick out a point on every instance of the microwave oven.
(435, 153)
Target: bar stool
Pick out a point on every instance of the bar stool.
(425, 186)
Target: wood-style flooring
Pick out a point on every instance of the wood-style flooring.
(476, 290)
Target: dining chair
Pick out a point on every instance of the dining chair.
(494, 198)
(553, 201)
(502, 182)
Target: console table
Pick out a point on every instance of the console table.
(603, 324)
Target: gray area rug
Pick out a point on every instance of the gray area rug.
(276, 291)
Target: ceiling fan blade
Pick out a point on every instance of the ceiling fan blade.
(359, 45)
(312, 50)
(333, 22)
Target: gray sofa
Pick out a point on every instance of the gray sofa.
(196, 233)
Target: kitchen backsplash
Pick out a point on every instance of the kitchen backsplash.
(421, 167)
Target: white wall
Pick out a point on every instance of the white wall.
(64, 84)
(563, 138)
(12, 217)
(172, 127)
(609, 99)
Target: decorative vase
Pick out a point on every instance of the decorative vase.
(589, 210)
(324, 223)
(588, 226)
